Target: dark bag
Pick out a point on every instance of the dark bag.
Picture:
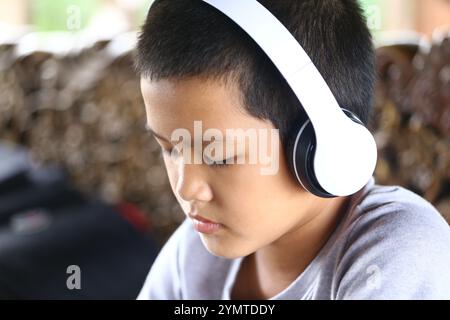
(56, 243)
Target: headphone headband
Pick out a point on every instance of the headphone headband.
(289, 56)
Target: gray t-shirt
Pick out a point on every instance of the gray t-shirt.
(390, 244)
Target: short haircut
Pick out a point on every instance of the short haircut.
(181, 39)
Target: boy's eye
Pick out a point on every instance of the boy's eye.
(220, 163)
(209, 162)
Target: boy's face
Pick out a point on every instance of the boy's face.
(254, 209)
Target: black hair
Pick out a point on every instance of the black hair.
(188, 38)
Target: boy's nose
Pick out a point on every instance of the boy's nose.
(192, 184)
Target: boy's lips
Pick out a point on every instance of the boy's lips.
(203, 225)
(200, 218)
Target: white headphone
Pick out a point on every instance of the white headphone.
(333, 153)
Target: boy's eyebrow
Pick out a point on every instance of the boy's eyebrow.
(148, 128)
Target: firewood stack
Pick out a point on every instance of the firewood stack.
(412, 119)
(84, 111)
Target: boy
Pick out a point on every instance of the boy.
(250, 235)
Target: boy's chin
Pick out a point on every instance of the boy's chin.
(223, 249)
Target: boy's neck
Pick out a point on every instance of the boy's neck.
(271, 269)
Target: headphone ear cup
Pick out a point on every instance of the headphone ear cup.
(303, 153)
(301, 149)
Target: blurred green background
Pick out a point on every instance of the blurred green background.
(50, 15)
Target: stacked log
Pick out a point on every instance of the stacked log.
(85, 112)
(412, 119)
